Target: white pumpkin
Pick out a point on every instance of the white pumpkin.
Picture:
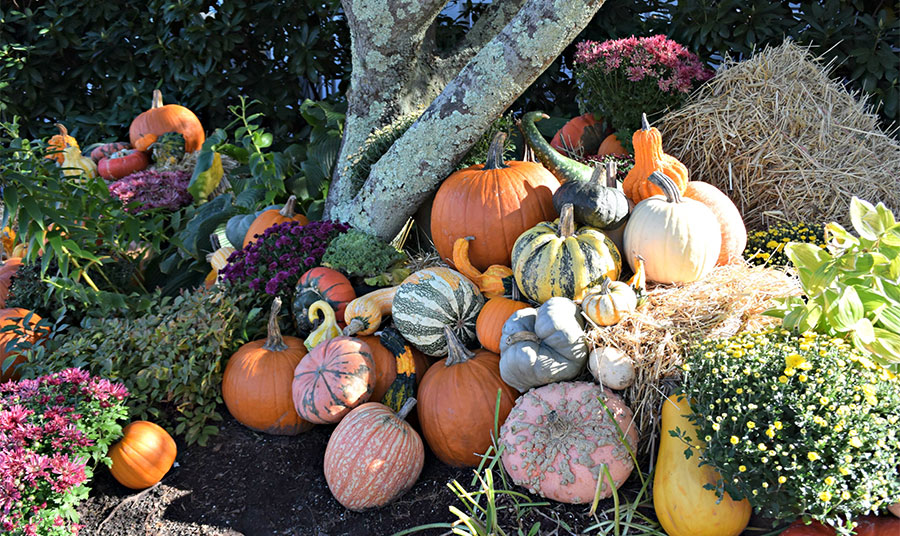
(678, 238)
(611, 367)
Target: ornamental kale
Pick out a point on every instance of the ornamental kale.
(153, 189)
(53, 432)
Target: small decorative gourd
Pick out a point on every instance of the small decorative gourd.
(606, 306)
(649, 157)
(678, 238)
(563, 168)
(320, 283)
(59, 142)
(399, 367)
(597, 202)
(218, 259)
(543, 345)
(328, 329)
(106, 150)
(611, 367)
(638, 281)
(363, 315)
(495, 282)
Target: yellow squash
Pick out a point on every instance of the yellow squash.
(328, 329)
(683, 506)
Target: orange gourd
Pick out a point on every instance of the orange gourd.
(7, 270)
(143, 456)
(160, 119)
(649, 157)
(364, 314)
(499, 200)
(611, 145)
(734, 233)
(59, 143)
(496, 281)
(335, 377)
(490, 321)
(256, 385)
(271, 217)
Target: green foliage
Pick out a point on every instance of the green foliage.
(766, 247)
(378, 143)
(171, 358)
(852, 288)
(358, 254)
(800, 425)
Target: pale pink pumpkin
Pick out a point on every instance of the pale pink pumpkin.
(734, 233)
(335, 377)
(557, 437)
(373, 456)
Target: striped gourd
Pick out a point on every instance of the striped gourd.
(556, 259)
(373, 456)
(432, 299)
(218, 259)
(335, 377)
(363, 315)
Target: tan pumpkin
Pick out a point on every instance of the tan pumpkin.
(160, 119)
(731, 225)
(271, 217)
(649, 157)
(678, 238)
(610, 303)
(493, 315)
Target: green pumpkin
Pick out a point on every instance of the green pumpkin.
(596, 202)
(434, 298)
(556, 259)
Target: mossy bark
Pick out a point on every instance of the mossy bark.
(396, 71)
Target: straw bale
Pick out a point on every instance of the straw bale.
(784, 141)
(658, 335)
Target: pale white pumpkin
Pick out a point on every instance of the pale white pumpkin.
(678, 238)
(611, 367)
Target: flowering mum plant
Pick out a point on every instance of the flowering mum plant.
(150, 189)
(623, 78)
(53, 432)
(767, 247)
(271, 265)
(798, 424)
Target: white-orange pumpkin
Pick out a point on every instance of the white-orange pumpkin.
(373, 456)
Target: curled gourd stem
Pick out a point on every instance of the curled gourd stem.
(522, 336)
(566, 221)
(495, 153)
(355, 326)
(456, 352)
(611, 171)
(157, 99)
(667, 185)
(288, 209)
(274, 340)
(64, 132)
(406, 408)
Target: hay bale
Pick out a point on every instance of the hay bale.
(657, 336)
(784, 140)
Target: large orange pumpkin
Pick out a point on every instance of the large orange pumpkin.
(143, 456)
(160, 119)
(491, 319)
(649, 157)
(457, 398)
(7, 270)
(271, 217)
(257, 382)
(373, 456)
(16, 316)
(495, 203)
(734, 233)
(335, 377)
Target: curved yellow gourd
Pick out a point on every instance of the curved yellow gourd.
(683, 506)
(328, 329)
(364, 314)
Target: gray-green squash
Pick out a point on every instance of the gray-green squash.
(596, 202)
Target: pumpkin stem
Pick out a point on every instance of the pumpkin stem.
(288, 209)
(522, 336)
(598, 174)
(64, 132)
(406, 408)
(157, 99)
(611, 171)
(274, 340)
(456, 352)
(645, 125)
(604, 286)
(566, 221)
(667, 185)
(495, 153)
(557, 427)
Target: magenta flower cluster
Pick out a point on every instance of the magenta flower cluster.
(275, 261)
(53, 431)
(153, 189)
(674, 67)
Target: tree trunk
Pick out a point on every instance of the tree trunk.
(396, 72)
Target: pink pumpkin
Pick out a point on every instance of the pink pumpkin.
(337, 376)
(557, 437)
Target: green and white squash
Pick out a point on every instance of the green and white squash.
(434, 298)
(556, 259)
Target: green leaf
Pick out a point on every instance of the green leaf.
(847, 312)
(207, 175)
(886, 345)
(805, 255)
(864, 330)
(865, 219)
(889, 318)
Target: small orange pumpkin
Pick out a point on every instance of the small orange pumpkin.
(143, 456)
(490, 321)
(649, 157)
(59, 143)
(496, 281)
(580, 135)
(160, 119)
(144, 142)
(271, 217)
(16, 316)
(611, 145)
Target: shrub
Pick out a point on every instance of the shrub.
(800, 425)
(54, 430)
(171, 359)
(358, 254)
(766, 247)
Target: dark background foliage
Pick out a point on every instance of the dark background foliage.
(93, 66)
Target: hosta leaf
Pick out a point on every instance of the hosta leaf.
(889, 318)
(847, 311)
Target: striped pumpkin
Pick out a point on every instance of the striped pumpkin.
(337, 376)
(373, 456)
(432, 299)
(364, 314)
(398, 368)
(556, 259)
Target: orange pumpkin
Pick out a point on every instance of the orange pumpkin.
(335, 377)
(144, 142)
(500, 201)
(16, 316)
(256, 386)
(611, 145)
(649, 157)
(457, 398)
(387, 361)
(7, 270)
(143, 456)
(271, 217)
(160, 119)
(496, 281)
(491, 319)
(59, 142)
(734, 233)
(580, 135)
